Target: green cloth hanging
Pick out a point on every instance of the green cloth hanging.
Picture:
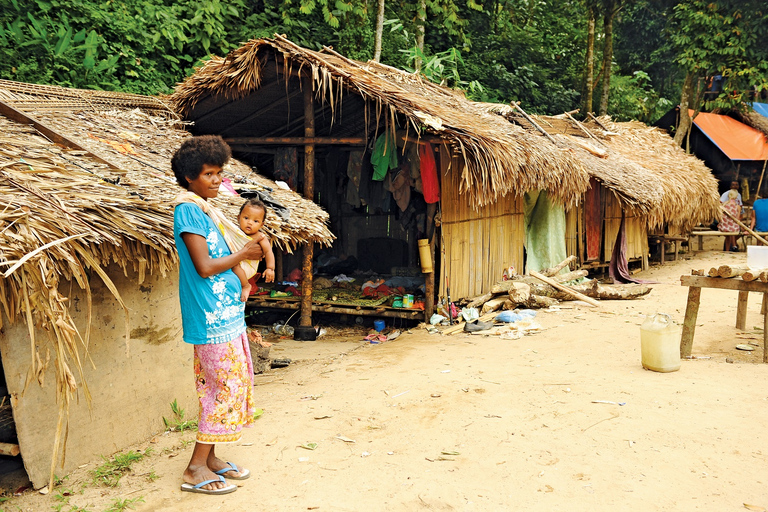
(384, 156)
(544, 231)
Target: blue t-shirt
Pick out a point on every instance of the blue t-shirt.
(761, 214)
(211, 310)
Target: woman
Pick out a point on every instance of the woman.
(727, 224)
(212, 315)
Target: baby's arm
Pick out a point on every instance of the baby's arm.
(245, 285)
(269, 259)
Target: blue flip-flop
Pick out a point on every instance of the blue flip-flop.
(198, 487)
(244, 473)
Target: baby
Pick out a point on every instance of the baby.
(251, 218)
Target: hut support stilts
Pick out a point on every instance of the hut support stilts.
(305, 321)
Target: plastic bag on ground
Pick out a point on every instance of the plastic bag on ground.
(470, 314)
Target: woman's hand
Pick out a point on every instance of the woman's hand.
(253, 250)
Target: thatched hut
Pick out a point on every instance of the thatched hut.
(270, 94)
(637, 173)
(88, 285)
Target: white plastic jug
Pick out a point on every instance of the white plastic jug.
(660, 343)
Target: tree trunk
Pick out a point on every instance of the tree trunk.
(379, 31)
(422, 21)
(685, 120)
(589, 65)
(610, 12)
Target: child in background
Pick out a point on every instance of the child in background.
(251, 218)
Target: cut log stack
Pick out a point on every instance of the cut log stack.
(733, 272)
(545, 288)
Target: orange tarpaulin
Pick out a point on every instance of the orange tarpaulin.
(737, 140)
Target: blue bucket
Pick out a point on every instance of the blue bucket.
(378, 325)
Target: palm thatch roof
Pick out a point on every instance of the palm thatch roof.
(103, 194)
(364, 97)
(642, 165)
(754, 119)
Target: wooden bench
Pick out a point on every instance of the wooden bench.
(745, 237)
(663, 239)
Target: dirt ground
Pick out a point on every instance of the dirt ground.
(479, 423)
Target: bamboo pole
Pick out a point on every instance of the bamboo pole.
(748, 230)
(534, 123)
(305, 319)
(566, 289)
(760, 183)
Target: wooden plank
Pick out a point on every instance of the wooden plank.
(741, 310)
(765, 333)
(296, 141)
(724, 284)
(22, 118)
(566, 289)
(689, 323)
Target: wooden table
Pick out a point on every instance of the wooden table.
(662, 241)
(696, 283)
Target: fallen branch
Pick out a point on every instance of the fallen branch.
(555, 284)
(551, 271)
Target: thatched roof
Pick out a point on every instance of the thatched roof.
(261, 78)
(754, 119)
(642, 165)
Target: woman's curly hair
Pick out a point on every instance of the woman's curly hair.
(187, 163)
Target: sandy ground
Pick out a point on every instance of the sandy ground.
(478, 423)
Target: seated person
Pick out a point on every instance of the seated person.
(759, 220)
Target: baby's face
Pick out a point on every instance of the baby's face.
(251, 219)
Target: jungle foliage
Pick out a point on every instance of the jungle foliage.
(532, 51)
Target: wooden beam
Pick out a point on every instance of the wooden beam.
(305, 320)
(724, 284)
(388, 312)
(54, 136)
(297, 141)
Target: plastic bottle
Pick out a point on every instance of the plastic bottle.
(660, 343)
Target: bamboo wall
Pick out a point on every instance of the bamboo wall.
(636, 228)
(572, 230)
(478, 244)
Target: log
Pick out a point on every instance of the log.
(555, 284)
(9, 449)
(508, 304)
(729, 271)
(753, 274)
(493, 305)
(503, 286)
(519, 293)
(479, 301)
(698, 272)
(713, 272)
(570, 276)
(612, 291)
(460, 326)
(763, 276)
(539, 301)
(551, 271)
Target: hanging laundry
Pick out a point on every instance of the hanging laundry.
(414, 164)
(384, 156)
(429, 181)
(401, 189)
(287, 167)
(354, 170)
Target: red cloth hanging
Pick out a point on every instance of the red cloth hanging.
(429, 183)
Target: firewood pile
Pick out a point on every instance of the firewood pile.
(731, 272)
(544, 289)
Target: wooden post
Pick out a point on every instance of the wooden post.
(309, 192)
(429, 285)
(278, 264)
(741, 310)
(689, 323)
(765, 331)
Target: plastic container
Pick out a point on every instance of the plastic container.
(407, 301)
(757, 256)
(660, 344)
(425, 256)
(378, 325)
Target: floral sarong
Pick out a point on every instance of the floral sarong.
(224, 381)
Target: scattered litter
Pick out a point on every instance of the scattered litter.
(303, 459)
(310, 397)
(44, 490)
(608, 402)
(445, 371)
(470, 314)
(698, 357)
(756, 508)
(401, 394)
(390, 453)
(308, 446)
(365, 454)
(436, 319)
(435, 395)
(449, 453)
(345, 439)
(324, 417)
(744, 346)
(393, 335)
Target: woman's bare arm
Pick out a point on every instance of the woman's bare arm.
(207, 266)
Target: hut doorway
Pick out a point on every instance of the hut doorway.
(13, 476)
